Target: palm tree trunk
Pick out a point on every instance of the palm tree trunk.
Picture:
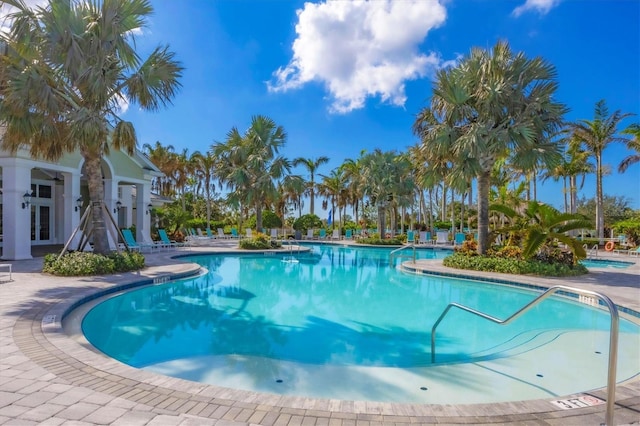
(96, 194)
(484, 184)
(599, 198)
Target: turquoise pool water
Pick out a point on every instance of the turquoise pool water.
(604, 263)
(338, 322)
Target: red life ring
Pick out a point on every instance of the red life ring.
(609, 246)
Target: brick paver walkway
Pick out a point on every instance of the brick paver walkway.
(47, 378)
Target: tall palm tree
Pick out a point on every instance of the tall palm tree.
(250, 166)
(333, 187)
(164, 159)
(64, 71)
(205, 171)
(493, 104)
(353, 174)
(595, 136)
(634, 145)
(311, 164)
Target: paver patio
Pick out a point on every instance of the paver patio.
(48, 378)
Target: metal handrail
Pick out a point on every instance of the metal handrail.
(393, 253)
(613, 333)
(593, 249)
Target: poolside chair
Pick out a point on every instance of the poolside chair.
(335, 235)
(166, 242)
(323, 234)
(348, 234)
(630, 252)
(411, 237)
(222, 235)
(210, 234)
(274, 234)
(234, 233)
(309, 234)
(134, 245)
(248, 232)
(425, 237)
(442, 237)
(459, 238)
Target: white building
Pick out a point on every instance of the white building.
(42, 202)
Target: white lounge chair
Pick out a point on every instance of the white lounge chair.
(425, 237)
(309, 234)
(442, 237)
(274, 234)
(335, 235)
(248, 233)
(222, 235)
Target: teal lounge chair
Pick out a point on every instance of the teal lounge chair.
(632, 252)
(323, 234)
(234, 233)
(166, 242)
(133, 244)
(348, 234)
(411, 237)
(459, 238)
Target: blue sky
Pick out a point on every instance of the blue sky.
(341, 76)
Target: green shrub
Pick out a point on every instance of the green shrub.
(307, 221)
(377, 241)
(87, 263)
(512, 266)
(259, 241)
(630, 228)
(269, 220)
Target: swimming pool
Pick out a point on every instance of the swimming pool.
(340, 323)
(605, 263)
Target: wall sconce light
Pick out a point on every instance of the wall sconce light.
(78, 203)
(149, 207)
(27, 199)
(118, 207)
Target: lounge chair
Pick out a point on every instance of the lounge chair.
(274, 234)
(323, 234)
(222, 235)
(459, 238)
(348, 234)
(630, 252)
(234, 233)
(411, 237)
(134, 245)
(309, 234)
(442, 237)
(425, 237)
(248, 233)
(166, 242)
(210, 234)
(335, 235)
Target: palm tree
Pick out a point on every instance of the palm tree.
(205, 171)
(164, 159)
(311, 165)
(493, 104)
(65, 69)
(249, 164)
(595, 136)
(634, 145)
(333, 187)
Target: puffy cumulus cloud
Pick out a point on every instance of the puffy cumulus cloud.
(360, 49)
(541, 6)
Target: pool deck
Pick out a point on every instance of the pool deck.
(46, 378)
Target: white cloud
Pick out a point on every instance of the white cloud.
(361, 49)
(541, 6)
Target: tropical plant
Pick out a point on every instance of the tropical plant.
(311, 164)
(65, 70)
(307, 221)
(594, 136)
(494, 104)
(634, 145)
(543, 225)
(250, 166)
(333, 188)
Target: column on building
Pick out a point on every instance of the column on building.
(127, 203)
(143, 215)
(110, 201)
(72, 213)
(16, 215)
